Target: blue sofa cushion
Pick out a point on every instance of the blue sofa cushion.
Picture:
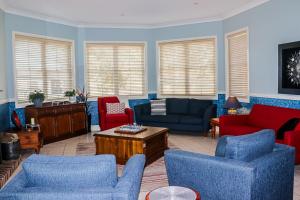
(161, 118)
(62, 171)
(198, 107)
(249, 147)
(190, 120)
(177, 106)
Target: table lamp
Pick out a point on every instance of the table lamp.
(232, 104)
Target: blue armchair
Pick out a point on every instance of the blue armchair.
(75, 178)
(249, 167)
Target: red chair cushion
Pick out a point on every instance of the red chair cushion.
(105, 100)
(113, 118)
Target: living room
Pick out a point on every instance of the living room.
(163, 64)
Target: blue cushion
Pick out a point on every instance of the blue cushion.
(63, 171)
(190, 120)
(198, 107)
(177, 106)
(249, 147)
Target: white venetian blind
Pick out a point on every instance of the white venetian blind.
(42, 64)
(115, 69)
(238, 69)
(188, 68)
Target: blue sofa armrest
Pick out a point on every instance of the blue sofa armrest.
(210, 112)
(215, 178)
(16, 184)
(274, 174)
(128, 186)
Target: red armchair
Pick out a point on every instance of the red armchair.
(108, 121)
(264, 117)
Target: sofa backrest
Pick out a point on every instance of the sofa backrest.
(246, 147)
(271, 117)
(67, 171)
(177, 106)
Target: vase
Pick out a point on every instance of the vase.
(72, 99)
(38, 103)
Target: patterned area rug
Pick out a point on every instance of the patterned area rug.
(155, 174)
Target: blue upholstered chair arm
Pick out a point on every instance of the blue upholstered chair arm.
(274, 174)
(128, 186)
(210, 112)
(215, 178)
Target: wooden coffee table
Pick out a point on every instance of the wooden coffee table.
(151, 142)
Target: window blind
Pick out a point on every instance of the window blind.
(238, 69)
(187, 68)
(42, 64)
(115, 69)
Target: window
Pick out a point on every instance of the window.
(115, 69)
(237, 65)
(187, 68)
(42, 64)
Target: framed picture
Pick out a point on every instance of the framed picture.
(289, 68)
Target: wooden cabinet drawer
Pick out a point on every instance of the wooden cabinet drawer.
(28, 138)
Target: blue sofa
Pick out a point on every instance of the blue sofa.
(250, 167)
(75, 178)
(188, 115)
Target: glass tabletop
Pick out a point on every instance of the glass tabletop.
(173, 193)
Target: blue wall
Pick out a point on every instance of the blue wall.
(270, 24)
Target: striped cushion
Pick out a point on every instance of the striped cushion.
(158, 107)
(115, 108)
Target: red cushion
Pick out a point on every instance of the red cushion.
(271, 117)
(113, 118)
(239, 129)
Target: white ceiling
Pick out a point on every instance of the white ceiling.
(129, 13)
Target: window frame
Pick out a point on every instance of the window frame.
(214, 97)
(245, 29)
(14, 33)
(121, 97)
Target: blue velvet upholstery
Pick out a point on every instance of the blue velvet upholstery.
(268, 177)
(191, 115)
(104, 186)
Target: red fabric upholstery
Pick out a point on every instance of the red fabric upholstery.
(108, 121)
(263, 117)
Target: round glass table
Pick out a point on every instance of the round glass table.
(173, 193)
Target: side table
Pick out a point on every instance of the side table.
(30, 140)
(174, 193)
(214, 122)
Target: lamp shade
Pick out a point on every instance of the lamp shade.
(232, 103)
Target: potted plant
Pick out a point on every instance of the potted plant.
(37, 98)
(72, 95)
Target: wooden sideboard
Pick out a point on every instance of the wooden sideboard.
(58, 122)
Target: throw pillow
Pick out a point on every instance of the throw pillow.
(158, 107)
(287, 126)
(115, 108)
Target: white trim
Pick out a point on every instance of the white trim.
(247, 100)
(14, 33)
(215, 97)
(276, 96)
(10, 10)
(145, 43)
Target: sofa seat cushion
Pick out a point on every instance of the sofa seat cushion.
(249, 147)
(240, 129)
(111, 118)
(65, 171)
(161, 118)
(190, 120)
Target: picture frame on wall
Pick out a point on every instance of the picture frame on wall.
(289, 68)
